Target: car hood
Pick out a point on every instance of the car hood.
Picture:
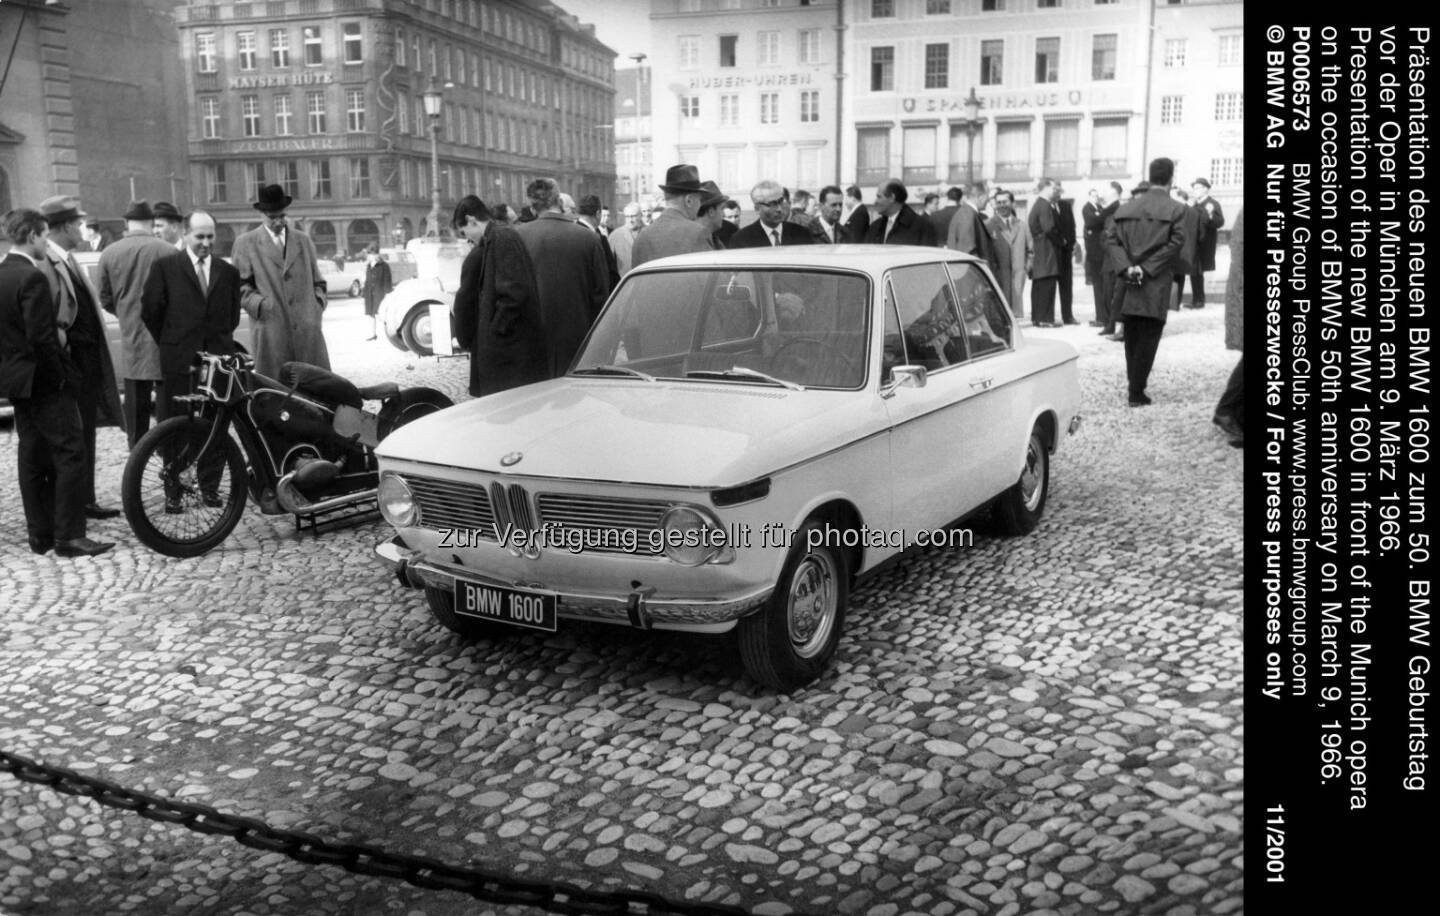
(687, 434)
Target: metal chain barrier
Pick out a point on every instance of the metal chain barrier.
(489, 887)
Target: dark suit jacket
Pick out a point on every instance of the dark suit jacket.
(185, 319)
(497, 314)
(1147, 232)
(1046, 240)
(940, 220)
(910, 229)
(32, 362)
(724, 234)
(1213, 219)
(842, 234)
(858, 222)
(756, 236)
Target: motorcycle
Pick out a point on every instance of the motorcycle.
(305, 447)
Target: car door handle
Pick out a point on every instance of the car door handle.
(982, 382)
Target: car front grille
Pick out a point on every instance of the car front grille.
(578, 522)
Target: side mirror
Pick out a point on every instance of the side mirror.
(904, 377)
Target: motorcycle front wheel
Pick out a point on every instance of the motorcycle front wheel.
(183, 494)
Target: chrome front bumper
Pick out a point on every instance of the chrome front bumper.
(637, 608)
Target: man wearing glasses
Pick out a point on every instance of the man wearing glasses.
(281, 289)
(772, 204)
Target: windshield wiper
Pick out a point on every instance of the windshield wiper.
(613, 370)
(745, 373)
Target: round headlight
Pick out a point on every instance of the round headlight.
(397, 504)
(691, 538)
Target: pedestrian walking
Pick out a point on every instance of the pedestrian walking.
(378, 284)
(281, 289)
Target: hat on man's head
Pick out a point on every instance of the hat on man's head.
(1202, 182)
(682, 179)
(710, 195)
(61, 209)
(139, 212)
(163, 209)
(273, 199)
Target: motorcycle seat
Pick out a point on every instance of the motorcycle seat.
(379, 392)
(321, 384)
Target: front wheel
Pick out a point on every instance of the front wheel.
(416, 333)
(1019, 508)
(183, 492)
(787, 643)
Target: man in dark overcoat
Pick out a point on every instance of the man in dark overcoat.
(1047, 247)
(40, 380)
(378, 284)
(1065, 285)
(675, 231)
(856, 216)
(1144, 244)
(496, 314)
(1213, 219)
(967, 230)
(1096, 215)
(896, 223)
(77, 305)
(1230, 412)
(571, 275)
(1194, 228)
(124, 267)
(281, 289)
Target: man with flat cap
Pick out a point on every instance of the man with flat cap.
(675, 231)
(169, 224)
(77, 307)
(281, 289)
(124, 266)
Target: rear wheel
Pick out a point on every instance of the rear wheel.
(183, 493)
(354, 289)
(787, 643)
(415, 331)
(1019, 508)
(410, 404)
(442, 605)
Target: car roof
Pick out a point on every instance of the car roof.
(868, 258)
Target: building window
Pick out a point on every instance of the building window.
(1172, 109)
(353, 48)
(727, 50)
(1230, 48)
(992, 62)
(315, 107)
(729, 111)
(769, 108)
(1012, 151)
(289, 176)
(882, 69)
(320, 179)
(215, 183)
(415, 52)
(809, 46)
(810, 106)
(209, 117)
(254, 179)
(1229, 171)
(937, 66)
(1102, 57)
(400, 47)
(205, 52)
(449, 68)
(250, 115)
(689, 52)
(355, 110)
(279, 48)
(282, 116)
(402, 113)
(882, 9)
(1109, 147)
(769, 47)
(1047, 4)
(919, 162)
(1229, 106)
(245, 50)
(872, 155)
(310, 36)
(937, 7)
(1047, 60)
(360, 177)
(1062, 148)
(991, 6)
(690, 106)
(1175, 52)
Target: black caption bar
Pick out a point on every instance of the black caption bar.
(1339, 798)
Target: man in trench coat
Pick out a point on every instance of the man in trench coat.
(281, 289)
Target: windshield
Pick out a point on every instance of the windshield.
(759, 327)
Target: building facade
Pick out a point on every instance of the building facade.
(324, 97)
(634, 158)
(746, 90)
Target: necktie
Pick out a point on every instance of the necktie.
(200, 272)
(279, 240)
(775, 236)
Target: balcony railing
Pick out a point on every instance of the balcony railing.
(1015, 170)
(1109, 168)
(871, 176)
(960, 171)
(1062, 168)
(918, 174)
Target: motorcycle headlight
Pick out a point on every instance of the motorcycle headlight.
(691, 537)
(397, 503)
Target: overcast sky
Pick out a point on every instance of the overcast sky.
(624, 25)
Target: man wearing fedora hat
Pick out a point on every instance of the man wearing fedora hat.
(78, 313)
(124, 266)
(281, 289)
(169, 224)
(711, 216)
(675, 231)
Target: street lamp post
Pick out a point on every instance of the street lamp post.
(639, 58)
(434, 99)
(972, 124)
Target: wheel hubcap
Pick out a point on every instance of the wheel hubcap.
(422, 330)
(812, 604)
(1032, 479)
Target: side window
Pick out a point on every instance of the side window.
(893, 351)
(987, 321)
(930, 323)
(659, 315)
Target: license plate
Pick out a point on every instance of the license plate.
(535, 610)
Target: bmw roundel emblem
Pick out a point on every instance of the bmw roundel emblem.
(512, 458)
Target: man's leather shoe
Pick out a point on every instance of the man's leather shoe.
(173, 506)
(94, 510)
(212, 500)
(1139, 400)
(1230, 428)
(41, 545)
(1072, 321)
(81, 547)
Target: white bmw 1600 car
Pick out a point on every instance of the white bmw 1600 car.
(741, 435)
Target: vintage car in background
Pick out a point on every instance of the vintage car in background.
(402, 263)
(741, 435)
(346, 282)
(405, 313)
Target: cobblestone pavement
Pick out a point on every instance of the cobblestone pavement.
(1042, 725)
